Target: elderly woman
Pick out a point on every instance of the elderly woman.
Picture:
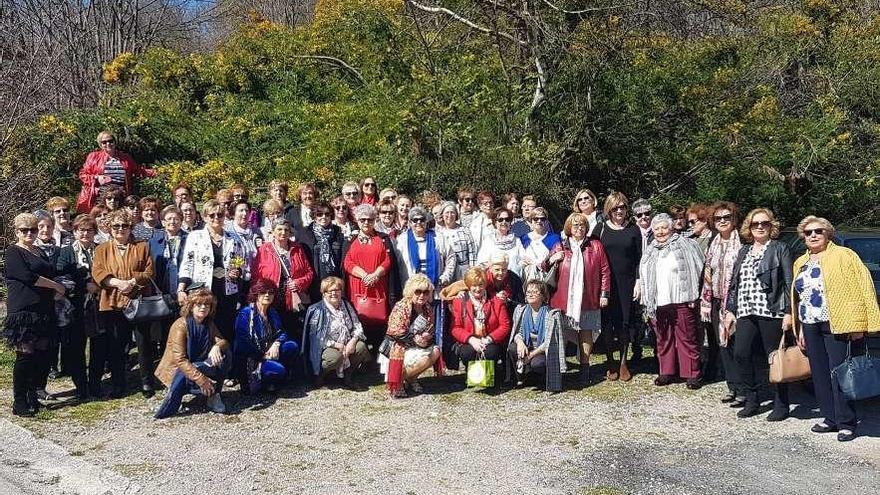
(301, 214)
(194, 356)
(59, 208)
(481, 225)
(123, 269)
(264, 354)
(537, 243)
(536, 343)
(240, 194)
(369, 191)
(166, 249)
(99, 213)
(181, 193)
(502, 240)
(45, 239)
(519, 225)
(369, 262)
(466, 206)
(480, 324)
(351, 193)
(698, 224)
(214, 258)
(720, 259)
(191, 218)
(342, 215)
(388, 193)
(387, 220)
(502, 283)
(836, 304)
(272, 209)
(326, 246)
(623, 244)
(107, 165)
(585, 203)
(403, 204)
(251, 237)
(759, 303)
(669, 279)
(75, 263)
(411, 334)
(30, 320)
(284, 262)
(583, 281)
(335, 339)
(458, 238)
(151, 221)
(132, 204)
(421, 250)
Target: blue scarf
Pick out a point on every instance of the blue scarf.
(430, 251)
(198, 340)
(528, 326)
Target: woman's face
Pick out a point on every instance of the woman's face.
(420, 297)
(366, 224)
(239, 195)
(418, 225)
(477, 291)
(334, 295)
(586, 203)
(449, 218)
(201, 310)
(487, 205)
(527, 207)
(619, 214)
(680, 222)
(45, 229)
(323, 218)
(278, 194)
(61, 215)
(85, 235)
(513, 206)
(698, 225)
(498, 271)
(113, 202)
(241, 214)
(216, 218)
(172, 223)
(101, 220)
(579, 230)
(340, 213)
(307, 196)
(539, 224)
(403, 206)
(351, 196)
(533, 296)
(387, 215)
(369, 187)
(189, 213)
(723, 219)
(760, 227)
(134, 212)
(502, 223)
(816, 237)
(662, 232)
(266, 298)
(181, 195)
(26, 234)
(121, 231)
(107, 143)
(150, 214)
(281, 234)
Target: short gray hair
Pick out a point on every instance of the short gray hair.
(661, 218)
(828, 226)
(449, 205)
(420, 211)
(640, 204)
(279, 221)
(365, 209)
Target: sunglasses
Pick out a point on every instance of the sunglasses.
(643, 214)
(332, 291)
(760, 225)
(619, 208)
(369, 184)
(120, 226)
(539, 219)
(61, 210)
(692, 222)
(108, 141)
(466, 200)
(366, 220)
(723, 218)
(319, 214)
(421, 292)
(28, 230)
(340, 208)
(216, 215)
(350, 193)
(502, 220)
(809, 232)
(574, 225)
(418, 220)
(386, 212)
(585, 198)
(85, 231)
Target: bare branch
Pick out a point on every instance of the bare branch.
(465, 21)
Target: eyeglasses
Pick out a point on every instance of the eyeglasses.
(333, 291)
(386, 212)
(267, 293)
(503, 220)
(366, 220)
(182, 195)
(467, 199)
(340, 208)
(417, 220)
(619, 208)
(533, 292)
(120, 226)
(487, 202)
(350, 193)
(421, 292)
(216, 215)
(585, 198)
(643, 214)
(108, 141)
(692, 221)
(28, 230)
(809, 232)
(85, 231)
(539, 219)
(369, 184)
(760, 225)
(61, 210)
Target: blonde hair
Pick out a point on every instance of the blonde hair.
(103, 134)
(271, 206)
(330, 283)
(211, 206)
(745, 232)
(416, 282)
(55, 202)
(573, 218)
(24, 220)
(614, 200)
(474, 276)
(814, 219)
(574, 204)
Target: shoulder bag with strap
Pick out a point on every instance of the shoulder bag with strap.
(788, 364)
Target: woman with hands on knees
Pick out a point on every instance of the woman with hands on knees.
(480, 324)
(536, 343)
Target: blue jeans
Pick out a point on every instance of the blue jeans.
(180, 385)
(826, 351)
(276, 371)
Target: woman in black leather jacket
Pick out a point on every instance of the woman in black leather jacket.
(758, 304)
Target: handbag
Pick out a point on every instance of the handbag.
(371, 311)
(858, 377)
(385, 346)
(143, 309)
(481, 373)
(788, 364)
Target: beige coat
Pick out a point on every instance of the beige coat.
(176, 358)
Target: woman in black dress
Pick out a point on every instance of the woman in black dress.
(30, 321)
(623, 246)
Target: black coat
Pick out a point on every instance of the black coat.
(774, 274)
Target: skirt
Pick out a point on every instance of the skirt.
(28, 328)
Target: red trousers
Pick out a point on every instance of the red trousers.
(678, 347)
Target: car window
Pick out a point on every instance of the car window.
(868, 250)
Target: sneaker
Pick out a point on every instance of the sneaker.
(215, 404)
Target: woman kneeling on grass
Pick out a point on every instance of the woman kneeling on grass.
(194, 357)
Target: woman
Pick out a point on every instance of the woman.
(759, 303)
(458, 238)
(75, 263)
(481, 225)
(836, 303)
(123, 269)
(107, 165)
(623, 244)
(150, 207)
(351, 193)
(368, 263)
(272, 209)
(585, 203)
(113, 197)
(335, 339)
(194, 356)
(342, 218)
(30, 320)
(224, 198)
(264, 354)
(132, 204)
(480, 324)
(181, 193)
(214, 258)
(583, 281)
(720, 258)
(404, 203)
(191, 218)
(502, 240)
(166, 249)
(536, 344)
(421, 250)
(46, 243)
(240, 195)
(537, 243)
(698, 224)
(387, 220)
(284, 263)
(99, 213)
(411, 334)
(669, 277)
(59, 208)
(251, 237)
(326, 249)
(369, 191)
(389, 194)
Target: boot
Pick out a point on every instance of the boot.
(780, 404)
(584, 374)
(751, 407)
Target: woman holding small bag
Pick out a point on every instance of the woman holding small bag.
(536, 344)
(480, 324)
(835, 305)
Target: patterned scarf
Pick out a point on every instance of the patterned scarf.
(431, 262)
(505, 242)
(261, 335)
(322, 239)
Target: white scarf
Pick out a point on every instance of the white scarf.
(575, 280)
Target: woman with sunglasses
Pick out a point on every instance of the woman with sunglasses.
(123, 269)
(458, 237)
(537, 243)
(698, 224)
(481, 225)
(502, 240)
(387, 220)
(342, 218)
(113, 197)
(466, 205)
(30, 320)
(623, 245)
(403, 203)
(107, 165)
(369, 191)
(536, 342)
(759, 303)
(326, 245)
(99, 213)
(60, 210)
(836, 304)
(720, 259)
(585, 203)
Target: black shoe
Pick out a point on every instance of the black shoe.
(118, 394)
(749, 410)
(778, 414)
(845, 435)
(23, 409)
(32, 401)
(584, 374)
(694, 383)
(738, 402)
(147, 391)
(663, 380)
(823, 428)
(728, 399)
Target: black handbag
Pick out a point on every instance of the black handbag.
(146, 309)
(858, 377)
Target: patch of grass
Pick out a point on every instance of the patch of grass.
(138, 469)
(87, 413)
(7, 358)
(600, 490)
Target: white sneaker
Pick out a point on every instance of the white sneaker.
(215, 403)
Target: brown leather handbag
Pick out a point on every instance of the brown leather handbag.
(788, 364)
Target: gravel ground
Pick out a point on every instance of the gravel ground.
(609, 438)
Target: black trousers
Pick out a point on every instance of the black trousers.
(467, 353)
(826, 351)
(28, 370)
(538, 364)
(146, 347)
(109, 348)
(73, 355)
(756, 338)
(728, 363)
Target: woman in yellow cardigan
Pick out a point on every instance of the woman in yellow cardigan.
(835, 304)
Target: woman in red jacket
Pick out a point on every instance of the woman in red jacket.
(480, 324)
(107, 165)
(583, 284)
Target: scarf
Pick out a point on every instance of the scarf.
(528, 326)
(505, 242)
(431, 262)
(322, 240)
(260, 336)
(198, 340)
(576, 279)
(689, 258)
(83, 256)
(172, 249)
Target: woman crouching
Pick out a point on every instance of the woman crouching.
(536, 344)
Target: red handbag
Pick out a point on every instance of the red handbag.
(373, 310)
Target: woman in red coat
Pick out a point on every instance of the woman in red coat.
(480, 324)
(583, 284)
(107, 165)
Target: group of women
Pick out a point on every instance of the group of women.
(308, 289)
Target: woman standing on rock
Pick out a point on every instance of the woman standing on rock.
(107, 166)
